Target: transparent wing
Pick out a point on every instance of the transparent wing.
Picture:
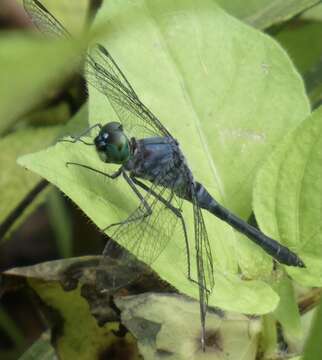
(102, 72)
(146, 238)
(44, 20)
(204, 260)
(203, 249)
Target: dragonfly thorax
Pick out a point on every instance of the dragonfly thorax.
(112, 145)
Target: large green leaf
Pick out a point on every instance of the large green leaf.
(228, 93)
(264, 13)
(229, 118)
(290, 207)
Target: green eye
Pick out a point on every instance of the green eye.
(117, 149)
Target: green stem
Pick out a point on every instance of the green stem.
(313, 346)
(61, 222)
(269, 337)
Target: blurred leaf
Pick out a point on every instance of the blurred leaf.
(29, 68)
(294, 40)
(77, 123)
(307, 55)
(265, 13)
(169, 324)
(15, 182)
(240, 112)
(53, 115)
(9, 326)
(71, 12)
(40, 349)
(288, 197)
(58, 214)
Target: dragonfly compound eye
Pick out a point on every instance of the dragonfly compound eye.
(112, 146)
(100, 143)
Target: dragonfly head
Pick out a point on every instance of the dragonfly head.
(112, 144)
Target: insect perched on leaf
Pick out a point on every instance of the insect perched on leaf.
(153, 165)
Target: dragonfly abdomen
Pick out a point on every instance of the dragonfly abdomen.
(279, 252)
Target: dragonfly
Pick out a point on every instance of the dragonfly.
(154, 167)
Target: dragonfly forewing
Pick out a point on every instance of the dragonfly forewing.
(103, 73)
(44, 20)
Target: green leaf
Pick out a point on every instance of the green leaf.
(290, 207)
(228, 104)
(264, 13)
(228, 93)
(28, 66)
(16, 182)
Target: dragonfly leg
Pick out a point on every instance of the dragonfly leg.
(178, 213)
(198, 283)
(129, 181)
(147, 212)
(111, 176)
(79, 137)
